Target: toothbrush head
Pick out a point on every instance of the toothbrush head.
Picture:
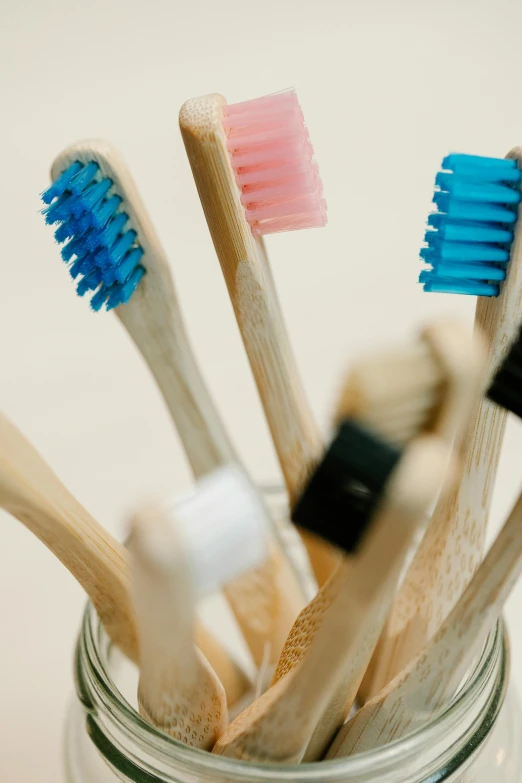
(221, 526)
(342, 494)
(469, 236)
(425, 386)
(273, 162)
(505, 388)
(93, 220)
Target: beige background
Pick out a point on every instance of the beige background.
(387, 89)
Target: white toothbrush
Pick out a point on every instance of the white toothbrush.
(191, 546)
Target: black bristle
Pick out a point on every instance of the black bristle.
(341, 496)
(506, 387)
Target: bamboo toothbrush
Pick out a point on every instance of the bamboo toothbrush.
(439, 403)
(97, 207)
(427, 385)
(398, 393)
(430, 681)
(454, 371)
(253, 167)
(477, 199)
(31, 492)
(216, 533)
(280, 726)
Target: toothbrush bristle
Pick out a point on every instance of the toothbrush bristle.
(223, 524)
(100, 243)
(342, 494)
(273, 162)
(469, 236)
(507, 382)
(397, 395)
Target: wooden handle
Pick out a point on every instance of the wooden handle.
(178, 691)
(452, 547)
(372, 579)
(418, 693)
(463, 366)
(302, 711)
(252, 292)
(31, 492)
(153, 320)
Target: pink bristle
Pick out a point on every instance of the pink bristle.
(272, 158)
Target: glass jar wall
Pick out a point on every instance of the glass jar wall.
(476, 739)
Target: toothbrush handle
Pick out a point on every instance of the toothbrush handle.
(252, 292)
(152, 318)
(452, 547)
(31, 492)
(265, 603)
(432, 678)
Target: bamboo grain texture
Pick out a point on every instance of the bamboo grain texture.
(31, 492)
(426, 386)
(421, 691)
(299, 715)
(452, 547)
(178, 691)
(154, 321)
(254, 298)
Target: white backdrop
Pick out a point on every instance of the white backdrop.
(387, 89)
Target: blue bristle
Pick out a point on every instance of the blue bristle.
(455, 158)
(104, 211)
(77, 207)
(99, 298)
(464, 189)
(92, 240)
(60, 185)
(117, 294)
(110, 234)
(92, 196)
(455, 231)
(102, 252)
(469, 239)
(125, 291)
(59, 210)
(72, 248)
(66, 230)
(84, 222)
(78, 268)
(123, 244)
(461, 252)
(483, 169)
(129, 263)
(443, 285)
(90, 282)
(84, 178)
(88, 264)
(463, 210)
(470, 271)
(120, 273)
(102, 258)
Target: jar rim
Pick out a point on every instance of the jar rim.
(93, 679)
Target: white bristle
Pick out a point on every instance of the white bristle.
(223, 526)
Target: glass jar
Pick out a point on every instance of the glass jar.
(476, 739)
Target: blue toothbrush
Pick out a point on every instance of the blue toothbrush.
(112, 249)
(473, 247)
(111, 245)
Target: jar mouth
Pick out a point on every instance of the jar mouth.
(96, 689)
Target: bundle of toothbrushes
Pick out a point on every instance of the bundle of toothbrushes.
(382, 512)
